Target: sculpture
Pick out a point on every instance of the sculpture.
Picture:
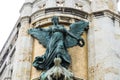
(56, 39)
(57, 72)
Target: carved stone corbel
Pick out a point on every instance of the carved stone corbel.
(57, 72)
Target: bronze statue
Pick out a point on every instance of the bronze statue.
(56, 39)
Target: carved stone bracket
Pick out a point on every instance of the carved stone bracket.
(57, 72)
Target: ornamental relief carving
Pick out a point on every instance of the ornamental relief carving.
(60, 2)
(78, 6)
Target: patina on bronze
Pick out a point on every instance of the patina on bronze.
(56, 39)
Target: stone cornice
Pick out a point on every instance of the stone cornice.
(74, 12)
(108, 13)
(59, 10)
(63, 19)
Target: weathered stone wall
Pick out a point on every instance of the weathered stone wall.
(103, 49)
(22, 60)
(79, 57)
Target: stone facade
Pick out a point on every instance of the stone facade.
(99, 59)
(103, 55)
(7, 54)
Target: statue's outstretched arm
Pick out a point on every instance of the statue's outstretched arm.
(80, 40)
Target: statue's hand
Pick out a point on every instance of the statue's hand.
(81, 42)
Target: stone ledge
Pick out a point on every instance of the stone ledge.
(60, 10)
(108, 13)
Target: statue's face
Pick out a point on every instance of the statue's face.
(55, 19)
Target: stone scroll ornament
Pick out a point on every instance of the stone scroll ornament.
(56, 39)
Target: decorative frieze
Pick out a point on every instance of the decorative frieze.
(107, 13)
(57, 10)
(78, 6)
(60, 3)
(112, 15)
(62, 19)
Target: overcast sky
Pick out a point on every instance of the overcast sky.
(9, 13)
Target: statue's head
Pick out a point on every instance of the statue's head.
(55, 20)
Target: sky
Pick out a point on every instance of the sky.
(9, 14)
